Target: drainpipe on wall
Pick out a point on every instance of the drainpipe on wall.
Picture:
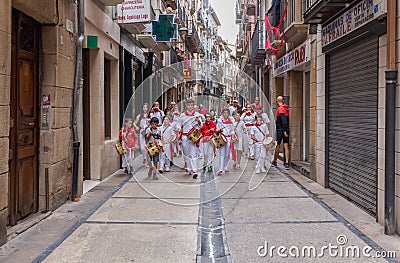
(78, 84)
(390, 119)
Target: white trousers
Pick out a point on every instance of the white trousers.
(142, 143)
(260, 155)
(224, 152)
(165, 157)
(250, 143)
(127, 159)
(208, 153)
(190, 154)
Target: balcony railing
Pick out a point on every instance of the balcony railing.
(192, 39)
(182, 15)
(258, 51)
(310, 3)
(295, 12)
(319, 11)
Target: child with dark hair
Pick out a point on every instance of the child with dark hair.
(153, 134)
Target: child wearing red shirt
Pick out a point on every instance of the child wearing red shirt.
(130, 141)
(208, 130)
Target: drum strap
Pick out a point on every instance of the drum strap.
(164, 130)
(258, 127)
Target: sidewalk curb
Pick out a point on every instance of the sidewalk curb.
(340, 218)
(82, 220)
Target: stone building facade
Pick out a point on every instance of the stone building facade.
(37, 47)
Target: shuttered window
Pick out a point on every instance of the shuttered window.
(353, 121)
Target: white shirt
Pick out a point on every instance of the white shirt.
(167, 132)
(239, 128)
(232, 109)
(156, 134)
(251, 119)
(228, 128)
(159, 115)
(265, 118)
(188, 121)
(258, 131)
(143, 122)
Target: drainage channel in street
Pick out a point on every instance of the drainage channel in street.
(211, 243)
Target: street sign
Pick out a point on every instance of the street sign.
(165, 29)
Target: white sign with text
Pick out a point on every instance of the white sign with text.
(133, 11)
(293, 59)
(359, 15)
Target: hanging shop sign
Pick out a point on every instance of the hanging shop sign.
(133, 11)
(359, 15)
(292, 60)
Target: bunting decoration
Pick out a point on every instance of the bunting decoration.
(275, 30)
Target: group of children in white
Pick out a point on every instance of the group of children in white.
(198, 136)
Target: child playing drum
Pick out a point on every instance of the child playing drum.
(225, 128)
(153, 135)
(208, 130)
(129, 138)
(258, 133)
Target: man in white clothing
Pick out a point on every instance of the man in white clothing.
(190, 119)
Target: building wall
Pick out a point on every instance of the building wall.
(5, 82)
(381, 134)
(313, 106)
(103, 160)
(56, 78)
(294, 89)
(320, 112)
(58, 49)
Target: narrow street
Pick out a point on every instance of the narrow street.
(177, 219)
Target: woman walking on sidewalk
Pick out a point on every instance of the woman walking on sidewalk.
(141, 124)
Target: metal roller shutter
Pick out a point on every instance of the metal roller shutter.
(353, 122)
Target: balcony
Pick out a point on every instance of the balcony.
(182, 17)
(258, 51)
(295, 30)
(251, 7)
(193, 42)
(318, 11)
(275, 38)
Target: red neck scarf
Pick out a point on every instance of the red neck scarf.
(249, 113)
(228, 121)
(188, 114)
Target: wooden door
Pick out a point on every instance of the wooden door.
(24, 118)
